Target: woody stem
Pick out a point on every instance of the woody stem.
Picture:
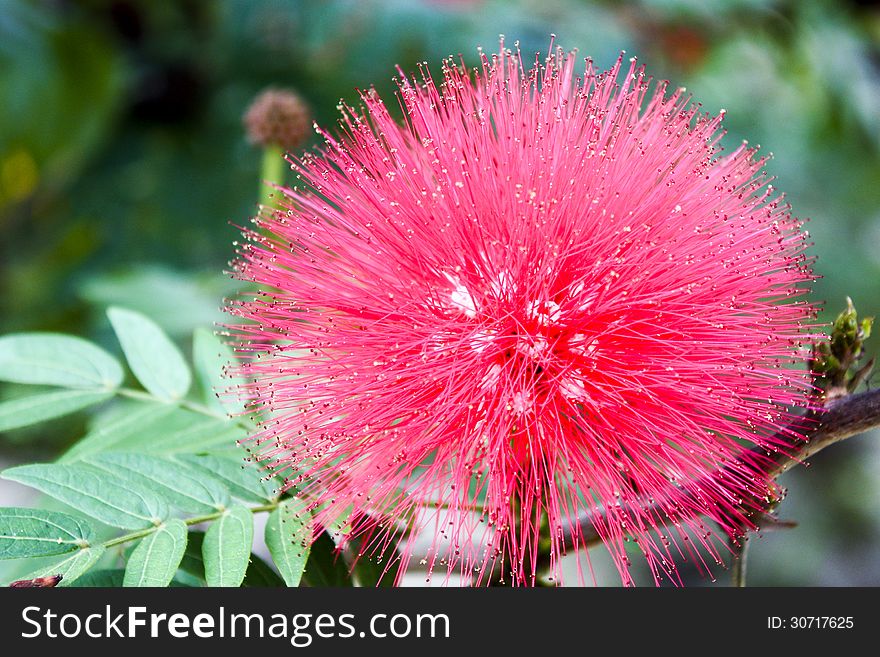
(841, 418)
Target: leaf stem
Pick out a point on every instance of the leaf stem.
(125, 538)
(195, 520)
(141, 395)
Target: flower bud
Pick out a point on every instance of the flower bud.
(277, 117)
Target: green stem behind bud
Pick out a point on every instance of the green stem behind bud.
(271, 172)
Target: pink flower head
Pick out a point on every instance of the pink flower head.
(545, 294)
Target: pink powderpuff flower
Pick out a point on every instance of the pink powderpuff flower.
(545, 294)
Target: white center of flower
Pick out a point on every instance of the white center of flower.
(572, 387)
(461, 298)
(521, 402)
(582, 345)
(534, 347)
(544, 312)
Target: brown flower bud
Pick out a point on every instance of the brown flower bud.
(277, 117)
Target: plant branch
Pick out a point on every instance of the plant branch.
(195, 520)
(842, 418)
(738, 567)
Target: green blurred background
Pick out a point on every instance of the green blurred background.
(124, 167)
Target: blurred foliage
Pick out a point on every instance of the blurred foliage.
(124, 169)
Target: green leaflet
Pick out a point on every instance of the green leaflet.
(100, 495)
(25, 411)
(124, 430)
(226, 548)
(156, 558)
(244, 479)
(156, 428)
(259, 574)
(185, 488)
(287, 537)
(200, 434)
(38, 533)
(155, 360)
(57, 360)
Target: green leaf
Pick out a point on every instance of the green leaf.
(185, 488)
(155, 559)
(25, 411)
(100, 495)
(57, 360)
(71, 567)
(326, 567)
(153, 358)
(244, 479)
(156, 428)
(212, 357)
(139, 422)
(227, 547)
(260, 575)
(38, 533)
(287, 537)
(188, 432)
